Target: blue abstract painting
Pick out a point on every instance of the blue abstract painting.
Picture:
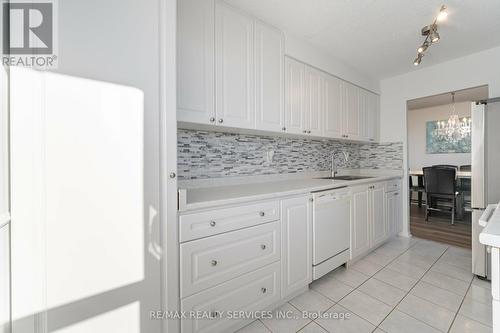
(437, 145)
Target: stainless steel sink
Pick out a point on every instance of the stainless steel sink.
(346, 177)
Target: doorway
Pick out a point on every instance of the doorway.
(433, 145)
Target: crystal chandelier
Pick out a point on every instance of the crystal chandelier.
(454, 129)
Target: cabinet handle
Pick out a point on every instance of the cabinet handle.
(304, 131)
(263, 246)
(263, 290)
(396, 193)
(212, 119)
(311, 199)
(212, 223)
(262, 213)
(221, 121)
(172, 175)
(308, 132)
(283, 128)
(214, 262)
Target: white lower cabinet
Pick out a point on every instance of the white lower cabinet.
(296, 245)
(209, 261)
(393, 211)
(251, 292)
(360, 223)
(379, 228)
(371, 215)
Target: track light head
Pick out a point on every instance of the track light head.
(434, 36)
(443, 14)
(418, 59)
(423, 47)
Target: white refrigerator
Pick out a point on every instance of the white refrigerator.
(485, 174)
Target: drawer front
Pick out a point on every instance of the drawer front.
(393, 185)
(209, 223)
(213, 260)
(250, 292)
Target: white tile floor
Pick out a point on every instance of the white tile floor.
(406, 285)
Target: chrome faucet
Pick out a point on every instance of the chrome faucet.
(333, 166)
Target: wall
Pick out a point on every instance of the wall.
(305, 52)
(417, 119)
(470, 71)
(204, 154)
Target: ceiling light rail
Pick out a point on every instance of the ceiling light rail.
(431, 35)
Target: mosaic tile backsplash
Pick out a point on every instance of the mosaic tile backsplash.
(205, 154)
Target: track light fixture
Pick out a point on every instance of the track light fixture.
(431, 35)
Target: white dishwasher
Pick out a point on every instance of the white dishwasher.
(331, 230)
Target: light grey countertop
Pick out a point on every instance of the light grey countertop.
(230, 192)
(491, 233)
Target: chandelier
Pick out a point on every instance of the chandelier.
(454, 129)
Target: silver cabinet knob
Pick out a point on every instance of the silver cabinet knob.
(311, 199)
(304, 131)
(214, 262)
(221, 121)
(212, 223)
(283, 128)
(263, 290)
(308, 132)
(262, 213)
(263, 246)
(172, 175)
(212, 119)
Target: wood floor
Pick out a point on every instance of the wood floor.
(439, 229)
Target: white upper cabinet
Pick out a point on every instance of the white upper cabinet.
(195, 61)
(234, 67)
(369, 119)
(294, 96)
(269, 88)
(350, 112)
(314, 101)
(332, 107)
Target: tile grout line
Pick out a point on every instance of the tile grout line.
(394, 308)
(370, 276)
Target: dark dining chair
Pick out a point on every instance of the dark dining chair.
(465, 187)
(418, 188)
(440, 186)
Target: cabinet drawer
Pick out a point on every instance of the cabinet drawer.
(213, 260)
(198, 225)
(250, 292)
(393, 185)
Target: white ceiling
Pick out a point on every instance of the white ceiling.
(379, 37)
(465, 95)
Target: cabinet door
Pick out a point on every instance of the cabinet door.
(269, 48)
(332, 107)
(364, 121)
(397, 225)
(294, 96)
(377, 211)
(296, 244)
(360, 224)
(350, 112)
(195, 61)
(370, 116)
(234, 67)
(390, 212)
(314, 95)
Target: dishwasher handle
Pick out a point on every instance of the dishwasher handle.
(485, 217)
